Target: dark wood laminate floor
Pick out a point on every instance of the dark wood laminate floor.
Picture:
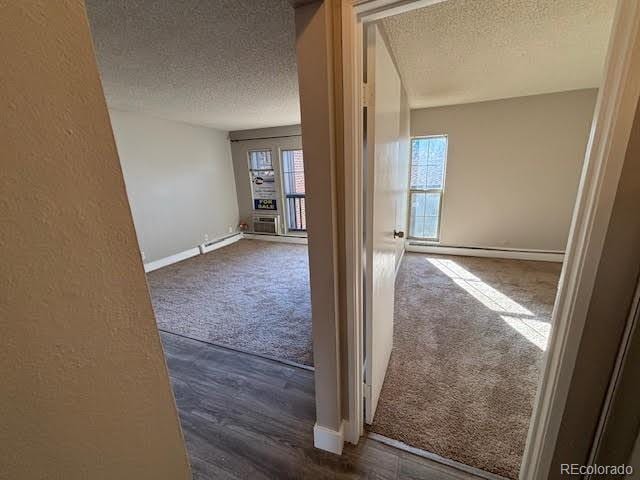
(246, 417)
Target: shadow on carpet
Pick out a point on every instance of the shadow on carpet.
(251, 295)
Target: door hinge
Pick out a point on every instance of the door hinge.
(365, 94)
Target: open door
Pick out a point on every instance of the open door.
(382, 103)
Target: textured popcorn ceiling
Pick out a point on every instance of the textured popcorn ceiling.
(228, 64)
(462, 51)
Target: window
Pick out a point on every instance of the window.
(260, 160)
(263, 186)
(428, 161)
(294, 193)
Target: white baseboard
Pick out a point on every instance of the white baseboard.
(537, 255)
(351, 433)
(211, 246)
(178, 257)
(276, 238)
(216, 244)
(327, 439)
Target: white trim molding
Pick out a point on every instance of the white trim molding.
(276, 238)
(353, 216)
(178, 257)
(192, 252)
(606, 149)
(536, 255)
(327, 439)
(216, 244)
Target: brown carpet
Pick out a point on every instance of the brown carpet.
(251, 295)
(465, 364)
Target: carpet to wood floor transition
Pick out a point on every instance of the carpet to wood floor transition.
(251, 295)
(469, 337)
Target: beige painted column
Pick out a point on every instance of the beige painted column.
(85, 390)
(314, 32)
(609, 309)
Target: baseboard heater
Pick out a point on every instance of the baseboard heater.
(222, 242)
(491, 252)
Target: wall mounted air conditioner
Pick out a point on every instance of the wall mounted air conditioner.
(266, 224)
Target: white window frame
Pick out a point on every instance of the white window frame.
(283, 196)
(413, 191)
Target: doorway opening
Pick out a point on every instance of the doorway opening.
(475, 146)
(213, 163)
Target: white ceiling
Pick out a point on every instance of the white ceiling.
(462, 51)
(228, 64)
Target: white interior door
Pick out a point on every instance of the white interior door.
(381, 154)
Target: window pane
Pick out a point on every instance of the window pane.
(432, 204)
(293, 171)
(416, 227)
(260, 160)
(417, 205)
(293, 184)
(419, 150)
(428, 157)
(419, 176)
(437, 150)
(425, 212)
(435, 175)
(430, 227)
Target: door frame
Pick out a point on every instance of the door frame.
(604, 157)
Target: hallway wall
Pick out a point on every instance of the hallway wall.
(85, 390)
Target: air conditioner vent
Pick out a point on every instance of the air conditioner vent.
(266, 224)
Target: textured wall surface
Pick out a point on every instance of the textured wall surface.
(513, 168)
(313, 26)
(85, 391)
(179, 180)
(228, 64)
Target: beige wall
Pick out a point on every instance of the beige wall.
(318, 112)
(85, 391)
(610, 308)
(179, 180)
(274, 139)
(513, 168)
